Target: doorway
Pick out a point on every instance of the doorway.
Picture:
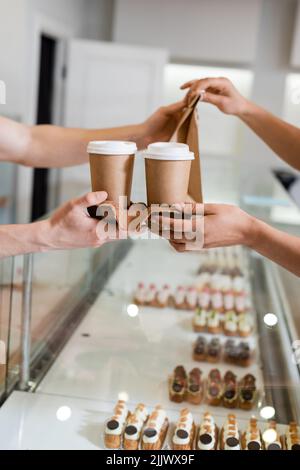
(48, 46)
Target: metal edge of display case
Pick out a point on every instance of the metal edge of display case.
(52, 345)
(281, 375)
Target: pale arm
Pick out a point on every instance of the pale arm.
(52, 146)
(226, 225)
(281, 137)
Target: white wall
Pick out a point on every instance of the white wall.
(295, 53)
(21, 24)
(270, 71)
(201, 30)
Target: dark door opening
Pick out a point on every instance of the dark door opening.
(44, 116)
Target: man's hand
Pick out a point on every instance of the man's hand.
(160, 126)
(219, 92)
(71, 226)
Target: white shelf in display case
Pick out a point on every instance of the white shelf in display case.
(134, 356)
(53, 422)
(112, 355)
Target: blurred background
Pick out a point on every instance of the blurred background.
(101, 63)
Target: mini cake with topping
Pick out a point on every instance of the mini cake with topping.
(178, 385)
(251, 438)
(140, 294)
(195, 386)
(214, 322)
(214, 391)
(199, 351)
(214, 350)
(183, 436)
(247, 392)
(230, 324)
(230, 435)
(134, 426)
(179, 298)
(115, 426)
(245, 325)
(163, 296)
(150, 295)
(291, 439)
(207, 437)
(191, 298)
(204, 298)
(230, 397)
(271, 437)
(155, 430)
(200, 320)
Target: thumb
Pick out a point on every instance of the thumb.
(188, 84)
(92, 199)
(213, 98)
(210, 209)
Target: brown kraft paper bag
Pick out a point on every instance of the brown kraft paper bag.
(187, 133)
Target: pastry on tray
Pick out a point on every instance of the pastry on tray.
(191, 298)
(204, 298)
(245, 355)
(214, 322)
(114, 427)
(230, 396)
(200, 320)
(184, 433)
(247, 392)
(150, 295)
(239, 284)
(239, 354)
(230, 324)
(271, 437)
(245, 325)
(251, 438)
(217, 300)
(291, 439)
(208, 433)
(199, 351)
(240, 302)
(179, 298)
(214, 350)
(228, 300)
(230, 435)
(163, 296)
(155, 430)
(195, 387)
(140, 293)
(134, 426)
(214, 390)
(178, 384)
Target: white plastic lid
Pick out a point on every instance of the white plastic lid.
(168, 151)
(112, 147)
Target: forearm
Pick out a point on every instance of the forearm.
(52, 146)
(23, 238)
(281, 137)
(280, 247)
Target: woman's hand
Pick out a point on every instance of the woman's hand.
(160, 126)
(222, 224)
(219, 92)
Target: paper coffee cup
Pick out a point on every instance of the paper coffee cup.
(111, 167)
(167, 166)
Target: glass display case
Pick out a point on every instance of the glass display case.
(214, 332)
